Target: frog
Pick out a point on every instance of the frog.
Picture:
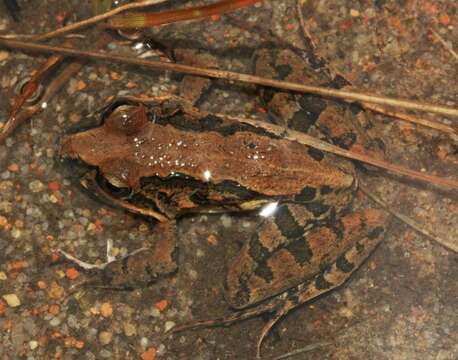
(167, 160)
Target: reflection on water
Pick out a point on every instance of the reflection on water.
(269, 209)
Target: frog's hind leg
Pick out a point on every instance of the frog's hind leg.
(367, 224)
(335, 274)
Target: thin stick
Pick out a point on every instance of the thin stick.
(305, 349)
(229, 75)
(84, 23)
(410, 222)
(302, 23)
(436, 125)
(444, 43)
(52, 89)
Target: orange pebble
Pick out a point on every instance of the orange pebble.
(162, 305)
(81, 85)
(149, 354)
(444, 19)
(54, 185)
(212, 239)
(3, 307)
(115, 76)
(17, 265)
(54, 309)
(131, 84)
(42, 284)
(13, 167)
(106, 309)
(72, 273)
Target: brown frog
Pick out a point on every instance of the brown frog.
(174, 161)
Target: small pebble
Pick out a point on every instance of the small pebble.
(354, 13)
(161, 349)
(3, 276)
(4, 55)
(226, 221)
(150, 354)
(55, 321)
(3, 24)
(12, 300)
(33, 344)
(106, 310)
(105, 337)
(155, 312)
(169, 325)
(193, 274)
(36, 186)
(129, 329)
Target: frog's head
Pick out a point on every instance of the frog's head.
(109, 146)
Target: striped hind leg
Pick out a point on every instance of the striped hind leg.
(367, 228)
(333, 275)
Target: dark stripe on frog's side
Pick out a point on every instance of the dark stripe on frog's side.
(321, 283)
(312, 107)
(344, 265)
(301, 250)
(209, 123)
(317, 208)
(316, 154)
(287, 224)
(375, 233)
(335, 223)
(259, 252)
(338, 82)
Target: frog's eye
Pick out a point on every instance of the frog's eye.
(127, 119)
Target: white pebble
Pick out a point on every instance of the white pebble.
(169, 325)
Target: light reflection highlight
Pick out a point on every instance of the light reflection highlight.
(207, 175)
(269, 209)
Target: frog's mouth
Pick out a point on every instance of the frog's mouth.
(100, 188)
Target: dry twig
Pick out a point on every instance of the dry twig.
(229, 75)
(84, 23)
(444, 43)
(410, 222)
(305, 30)
(436, 125)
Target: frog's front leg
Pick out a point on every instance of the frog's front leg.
(144, 266)
(138, 269)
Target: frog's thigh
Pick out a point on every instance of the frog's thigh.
(284, 252)
(144, 266)
(368, 228)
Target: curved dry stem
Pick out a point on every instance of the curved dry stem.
(84, 23)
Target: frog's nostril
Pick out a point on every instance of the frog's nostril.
(127, 119)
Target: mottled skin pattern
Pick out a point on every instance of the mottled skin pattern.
(310, 245)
